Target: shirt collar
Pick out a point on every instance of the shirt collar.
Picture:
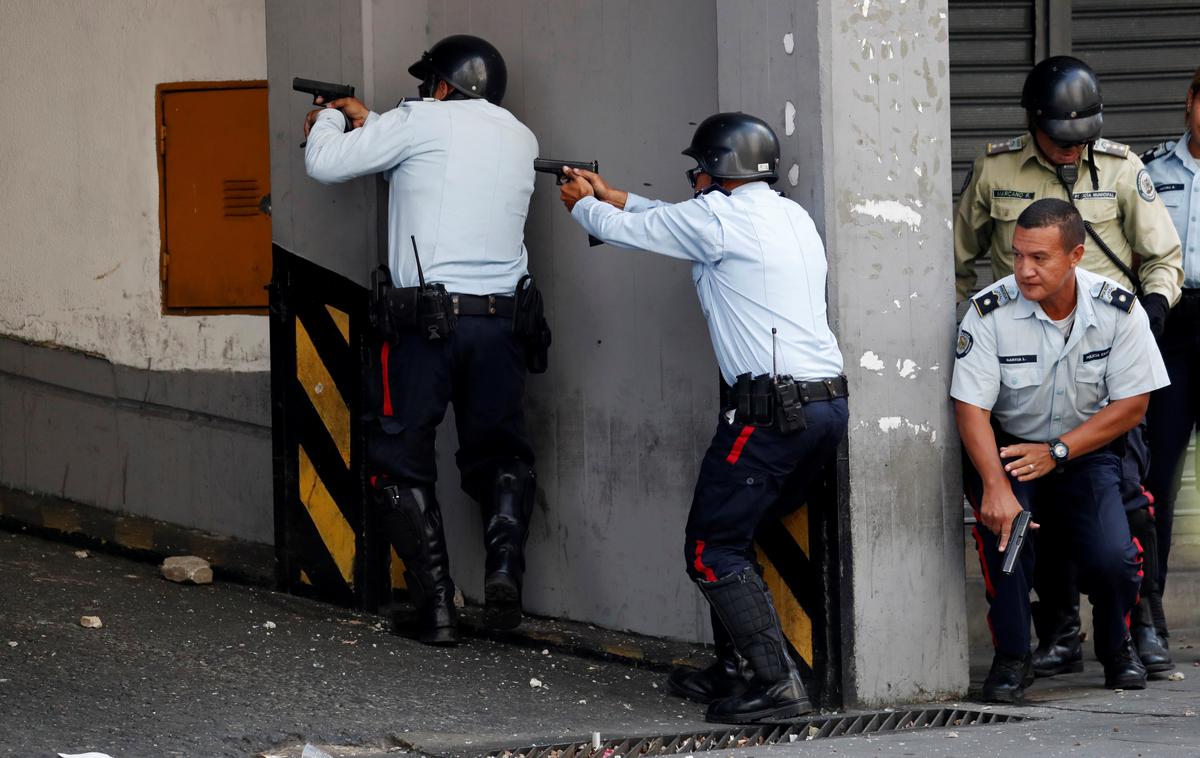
(752, 187)
(1085, 292)
(1184, 155)
(1031, 152)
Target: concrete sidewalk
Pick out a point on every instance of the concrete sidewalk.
(230, 670)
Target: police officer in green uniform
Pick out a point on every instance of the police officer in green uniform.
(1130, 239)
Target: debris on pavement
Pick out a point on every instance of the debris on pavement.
(1175, 676)
(312, 751)
(268, 625)
(84, 755)
(90, 622)
(82, 554)
(187, 568)
(535, 682)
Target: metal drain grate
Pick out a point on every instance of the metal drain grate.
(813, 728)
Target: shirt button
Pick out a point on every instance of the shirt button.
(1058, 392)
(1058, 418)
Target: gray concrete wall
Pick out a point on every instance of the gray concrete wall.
(187, 447)
(886, 155)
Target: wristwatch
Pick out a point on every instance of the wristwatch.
(1059, 452)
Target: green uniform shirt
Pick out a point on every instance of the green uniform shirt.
(1124, 210)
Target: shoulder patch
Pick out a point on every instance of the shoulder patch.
(1108, 147)
(965, 343)
(1145, 186)
(986, 302)
(1007, 146)
(1115, 296)
(1157, 151)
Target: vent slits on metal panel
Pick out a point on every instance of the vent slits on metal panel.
(240, 197)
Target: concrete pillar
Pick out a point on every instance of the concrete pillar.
(859, 94)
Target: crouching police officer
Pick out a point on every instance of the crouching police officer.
(1054, 365)
(1063, 156)
(460, 171)
(759, 268)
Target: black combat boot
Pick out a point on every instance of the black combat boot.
(413, 523)
(1123, 670)
(505, 529)
(1056, 620)
(743, 604)
(1150, 649)
(1007, 679)
(725, 677)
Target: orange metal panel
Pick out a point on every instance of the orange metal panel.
(216, 172)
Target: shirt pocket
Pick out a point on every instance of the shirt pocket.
(1098, 210)
(1021, 377)
(1091, 388)
(1007, 209)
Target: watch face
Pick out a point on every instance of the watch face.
(1060, 450)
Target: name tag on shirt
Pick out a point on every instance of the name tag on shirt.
(1168, 187)
(1096, 355)
(1100, 195)
(1014, 194)
(1009, 360)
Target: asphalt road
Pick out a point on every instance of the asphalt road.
(230, 670)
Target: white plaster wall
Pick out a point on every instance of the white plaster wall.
(79, 188)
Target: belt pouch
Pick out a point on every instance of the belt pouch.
(403, 303)
(436, 318)
(741, 396)
(761, 411)
(529, 325)
(789, 410)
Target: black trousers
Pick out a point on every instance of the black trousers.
(1173, 415)
(748, 474)
(481, 370)
(1082, 506)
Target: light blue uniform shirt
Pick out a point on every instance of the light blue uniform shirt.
(460, 174)
(1174, 175)
(1014, 362)
(757, 262)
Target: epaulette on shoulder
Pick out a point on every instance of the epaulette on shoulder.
(986, 302)
(1115, 296)
(1007, 146)
(1158, 151)
(1108, 147)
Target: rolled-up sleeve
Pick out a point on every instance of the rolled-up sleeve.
(688, 230)
(976, 378)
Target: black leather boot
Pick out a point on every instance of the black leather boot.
(743, 604)
(1056, 620)
(1007, 679)
(505, 529)
(413, 523)
(1150, 649)
(725, 677)
(1123, 669)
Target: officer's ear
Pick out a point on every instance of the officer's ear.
(1076, 255)
(442, 90)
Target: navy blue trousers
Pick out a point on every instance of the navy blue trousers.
(1082, 507)
(1173, 415)
(481, 369)
(752, 473)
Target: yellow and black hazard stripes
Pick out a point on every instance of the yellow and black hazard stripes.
(316, 397)
(783, 551)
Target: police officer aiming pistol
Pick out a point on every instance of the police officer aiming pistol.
(1054, 364)
(456, 316)
(759, 269)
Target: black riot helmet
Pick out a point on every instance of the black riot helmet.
(736, 146)
(472, 66)
(1062, 97)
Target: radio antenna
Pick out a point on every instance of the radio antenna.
(420, 272)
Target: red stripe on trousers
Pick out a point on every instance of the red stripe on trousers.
(736, 451)
(709, 576)
(387, 390)
(1150, 498)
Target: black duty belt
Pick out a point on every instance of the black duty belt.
(813, 390)
(481, 305)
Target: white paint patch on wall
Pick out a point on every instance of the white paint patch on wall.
(81, 249)
(892, 211)
(871, 362)
(794, 174)
(789, 43)
(789, 118)
(907, 369)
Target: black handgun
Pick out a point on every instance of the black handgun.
(548, 166)
(1016, 540)
(327, 91)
